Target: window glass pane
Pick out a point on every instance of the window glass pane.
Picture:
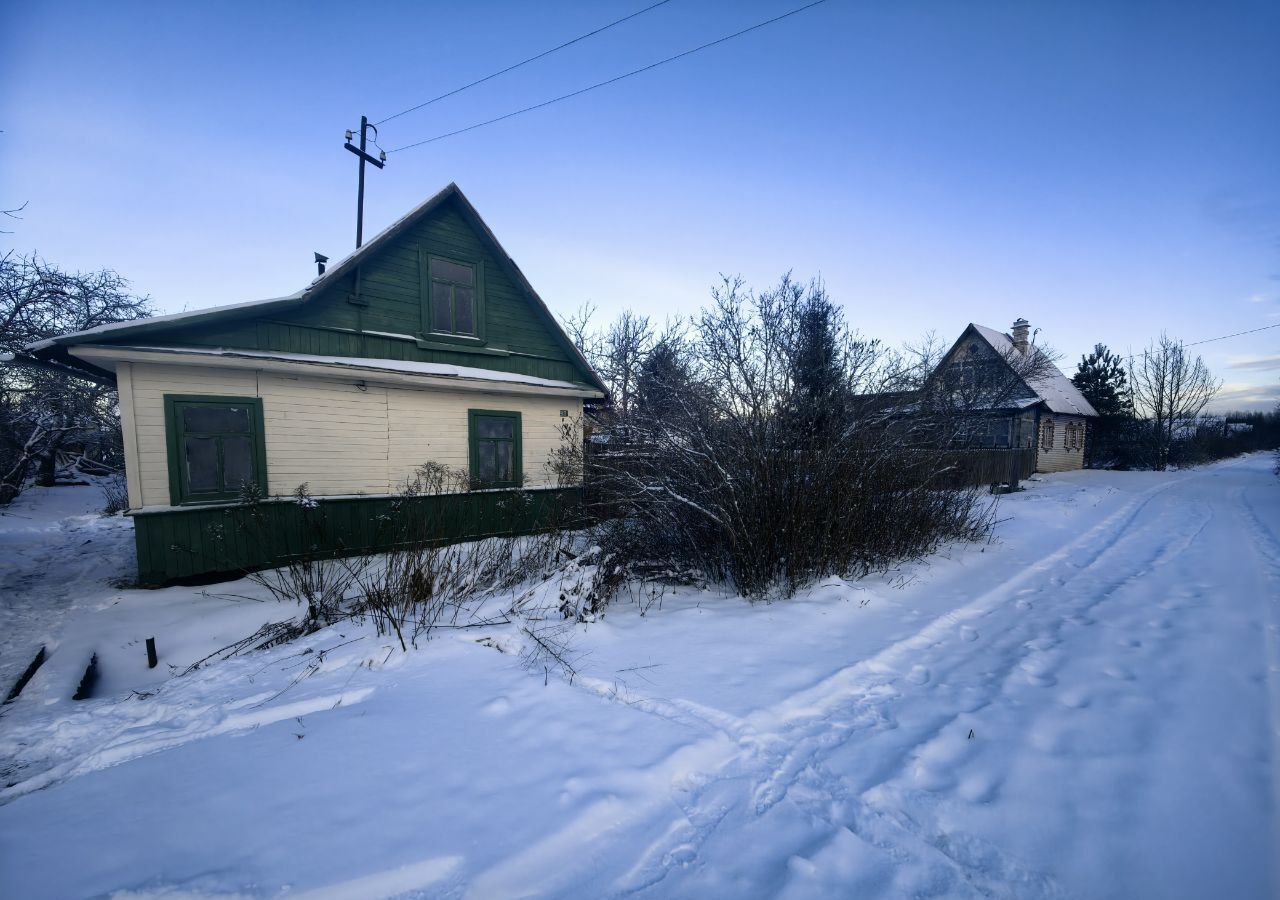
(488, 461)
(216, 419)
(202, 464)
(463, 307)
(448, 271)
(441, 307)
(504, 460)
(237, 462)
(492, 427)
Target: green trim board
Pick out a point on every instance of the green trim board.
(224, 541)
(182, 424)
(385, 276)
(485, 440)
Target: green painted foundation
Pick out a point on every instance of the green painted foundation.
(225, 540)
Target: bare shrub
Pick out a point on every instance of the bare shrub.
(115, 494)
(313, 574)
(51, 418)
(415, 584)
(1170, 390)
(766, 450)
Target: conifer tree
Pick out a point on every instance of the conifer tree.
(1101, 377)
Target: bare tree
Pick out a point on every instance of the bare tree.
(44, 416)
(751, 455)
(1170, 389)
(12, 214)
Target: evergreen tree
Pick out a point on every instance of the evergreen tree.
(820, 380)
(1101, 377)
(663, 379)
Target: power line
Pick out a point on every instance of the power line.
(1133, 356)
(523, 62)
(1237, 334)
(616, 78)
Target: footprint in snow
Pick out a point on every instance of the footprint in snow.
(499, 707)
(1023, 604)
(681, 855)
(1074, 699)
(968, 634)
(1120, 673)
(918, 675)
(979, 788)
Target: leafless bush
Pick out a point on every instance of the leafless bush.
(422, 581)
(767, 449)
(313, 574)
(416, 583)
(115, 494)
(47, 416)
(1170, 390)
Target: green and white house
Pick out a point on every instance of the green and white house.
(425, 345)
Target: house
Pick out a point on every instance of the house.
(1013, 396)
(427, 344)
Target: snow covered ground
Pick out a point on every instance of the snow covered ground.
(1087, 706)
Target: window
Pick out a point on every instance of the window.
(495, 448)
(215, 447)
(1046, 434)
(453, 295)
(1075, 436)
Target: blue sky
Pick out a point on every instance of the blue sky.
(1107, 170)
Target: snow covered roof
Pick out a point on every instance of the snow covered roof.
(172, 318)
(1054, 388)
(438, 370)
(343, 267)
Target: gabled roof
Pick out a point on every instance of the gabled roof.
(1053, 388)
(141, 327)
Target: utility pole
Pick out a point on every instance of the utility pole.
(380, 160)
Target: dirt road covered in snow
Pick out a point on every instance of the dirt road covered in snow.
(1087, 706)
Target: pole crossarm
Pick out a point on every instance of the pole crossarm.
(365, 156)
(380, 161)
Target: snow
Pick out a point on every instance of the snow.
(1057, 390)
(156, 320)
(1085, 706)
(443, 370)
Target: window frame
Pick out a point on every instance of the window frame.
(1047, 434)
(179, 494)
(1075, 435)
(473, 447)
(427, 300)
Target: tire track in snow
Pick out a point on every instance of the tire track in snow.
(765, 753)
(1266, 547)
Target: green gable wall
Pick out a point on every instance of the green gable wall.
(384, 294)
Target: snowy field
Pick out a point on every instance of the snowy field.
(1087, 706)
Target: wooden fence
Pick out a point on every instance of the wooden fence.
(977, 468)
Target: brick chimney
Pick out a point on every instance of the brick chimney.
(1021, 329)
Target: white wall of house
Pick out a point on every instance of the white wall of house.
(1062, 455)
(335, 436)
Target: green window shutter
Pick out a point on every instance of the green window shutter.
(451, 292)
(216, 447)
(495, 442)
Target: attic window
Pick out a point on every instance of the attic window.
(452, 307)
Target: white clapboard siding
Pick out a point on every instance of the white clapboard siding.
(336, 436)
(1059, 458)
